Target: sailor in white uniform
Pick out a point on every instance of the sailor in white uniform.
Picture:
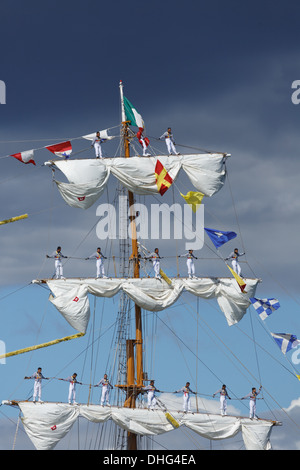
(223, 402)
(156, 263)
(72, 387)
(234, 256)
(190, 263)
(57, 255)
(168, 136)
(252, 403)
(151, 389)
(97, 145)
(37, 388)
(106, 386)
(186, 397)
(99, 262)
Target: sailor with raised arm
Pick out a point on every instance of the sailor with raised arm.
(72, 387)
(223, 402)
(106, 386)
(37, 388)
(151, 389)
(144, 141)
(234, 256)
(190, 263)
(252, 402)
(186, 397)
(99, 262)
(168, 136)
(154, 256)
(97, 145)
(57, 255)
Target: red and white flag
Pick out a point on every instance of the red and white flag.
(25, 157)
(64, 149)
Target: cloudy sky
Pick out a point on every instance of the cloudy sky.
(220, 74)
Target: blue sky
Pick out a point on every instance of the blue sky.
(220, 75)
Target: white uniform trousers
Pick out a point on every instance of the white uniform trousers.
(156, 267)
(58, 269)
(236, 267)
(191, 267)
(223, 405)
(100, 267)
(145, 153)
(170, 146)
(37, 389)
(105, 395)
(72, 392)
(186, 402)
(151, 400)
(252, 405)
(98, 150)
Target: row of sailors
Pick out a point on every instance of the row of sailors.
(144, 141)
(150, 389)
(155, 257)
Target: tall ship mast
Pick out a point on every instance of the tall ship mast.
(134, 362)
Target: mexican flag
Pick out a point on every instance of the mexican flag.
(132, 115)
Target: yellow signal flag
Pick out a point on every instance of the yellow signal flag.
(194, 199)
(39, 346)
(165, 277)
(162, 178)
(298, 377)
(238, 279)
(13, 219)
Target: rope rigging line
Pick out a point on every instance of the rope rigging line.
(190, 147)
(282, 409)
(71, 139)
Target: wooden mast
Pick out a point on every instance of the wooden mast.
(134, 358)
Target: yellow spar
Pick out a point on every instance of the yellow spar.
(39, 346)
(14, 219)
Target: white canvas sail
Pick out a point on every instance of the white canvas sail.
(103, 135)
(205, 171)
(150, 294)
(46, 424)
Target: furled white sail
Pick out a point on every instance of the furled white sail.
(87, 178)
(46, 424)
(70, 296)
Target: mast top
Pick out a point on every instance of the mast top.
(122, 102)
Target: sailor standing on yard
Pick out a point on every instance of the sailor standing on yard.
(37, 388)
(156, 263)
(57, 255)
(106, 386)
(186, 397)
(168, 136)
(99, 262)
(151, 389)
(144, 141)
(190, 263)
(252, 403)
(97, 145)
(234, 256)
(72, 387)
(223, 402)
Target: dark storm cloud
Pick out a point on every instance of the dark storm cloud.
(219, 74)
